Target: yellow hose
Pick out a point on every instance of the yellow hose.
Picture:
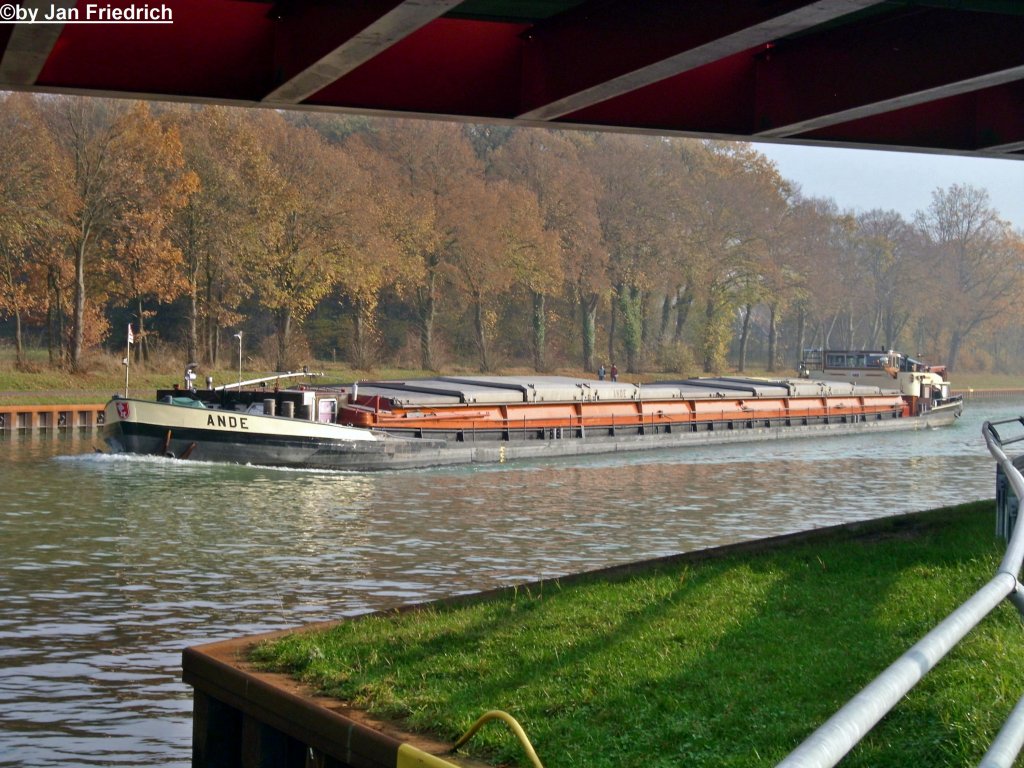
(517, 729)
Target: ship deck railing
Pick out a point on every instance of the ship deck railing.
(845, 729)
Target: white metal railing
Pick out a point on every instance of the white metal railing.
(841, 732)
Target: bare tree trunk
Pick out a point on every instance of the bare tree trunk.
(645, 329)
(480, 326)
(801, 332)
(212, 328)
(588, 323)
(826, 335)
(876, 328)
(15, 307)
(426, 306)
(744, 335)
(192, 330)
(539, 331)
(709, 345)
(955, 342)
(364, 326)
(684, 301)
(19, 350)
(78, 325)
(666, 317)
(773, 335)
(611, 326)
(631, 306)
(358, 340)
(50, 335)
(142, 345)
(284, 331)
(55, 318)
(427, 346)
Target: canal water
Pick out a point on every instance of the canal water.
(109, 566)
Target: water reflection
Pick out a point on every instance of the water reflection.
(112, 564)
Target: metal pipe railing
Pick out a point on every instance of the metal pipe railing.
(1015, 549)
(841, 732)
(1008, 742)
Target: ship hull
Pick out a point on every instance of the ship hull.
(201, 434)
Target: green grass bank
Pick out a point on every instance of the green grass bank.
(721, 661)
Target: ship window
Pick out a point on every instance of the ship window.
(327, 410)
(836, 361)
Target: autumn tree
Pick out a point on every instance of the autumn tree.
(258, 216)
(486, 243)
(395, 220)
(34, 201)
(435, 161)
(818, 249)
(584, 252)
(888, 253)
(309, 217)
(214, 226)
(145, 265)
(563, 229)
(288, 254)
(110, 215)
(91, 132)
(728, 224)
(778, 276)
(634, 207)
(810, 240)
(974, 261)
(393, 228)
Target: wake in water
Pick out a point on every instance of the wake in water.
(104, 460)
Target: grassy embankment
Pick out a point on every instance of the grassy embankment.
(724, 662)
(104, 376)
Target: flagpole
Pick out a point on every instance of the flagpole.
(127, 359)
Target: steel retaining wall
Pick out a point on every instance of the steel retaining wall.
(36, 418)
(989, 394)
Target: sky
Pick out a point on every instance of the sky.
(862, 179)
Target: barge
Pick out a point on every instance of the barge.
(450, 420)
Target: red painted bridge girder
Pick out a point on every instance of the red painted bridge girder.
(928, 75)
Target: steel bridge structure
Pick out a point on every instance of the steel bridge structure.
(942, 76)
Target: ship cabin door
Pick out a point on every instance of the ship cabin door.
(327, 410)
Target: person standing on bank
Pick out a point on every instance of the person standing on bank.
(615, 372)
(600, 373)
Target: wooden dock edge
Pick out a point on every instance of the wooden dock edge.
(248, 718)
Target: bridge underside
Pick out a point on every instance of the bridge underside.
(927, 75)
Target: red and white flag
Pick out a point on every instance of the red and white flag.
(131, 336)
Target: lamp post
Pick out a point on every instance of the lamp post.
(239, 337)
